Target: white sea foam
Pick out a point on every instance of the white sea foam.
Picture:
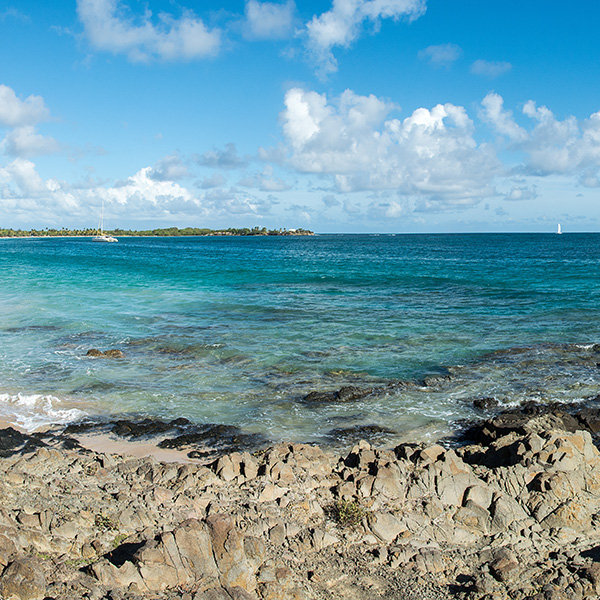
(32, 411)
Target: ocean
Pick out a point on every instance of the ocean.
(239, 330)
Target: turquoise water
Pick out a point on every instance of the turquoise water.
(237, 330)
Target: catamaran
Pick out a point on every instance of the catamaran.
(102, 237)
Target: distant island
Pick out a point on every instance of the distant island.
(164, 232)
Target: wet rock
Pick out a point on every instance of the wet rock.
(12, 441)
(345, 394)
(485, 403)
(146, 427)
(112, 353)
(360, 432)
(226, 438)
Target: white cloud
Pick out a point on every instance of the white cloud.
(23, 178)
(490, 69)
(268, 20)
(25, 142)
(441, 56)
(494, 113)
(551, 146)
(215, 180)
(108, 28)
(431, 154)
(142, 189)
(521, 192)
(343, 24)
(170, 168)
(265, 181)
(18, 113)
(381, 210)
(223, 159)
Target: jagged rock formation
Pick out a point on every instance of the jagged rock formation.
(516, 517)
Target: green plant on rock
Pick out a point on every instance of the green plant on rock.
(105, 522)
(347, 513)
(119, 539)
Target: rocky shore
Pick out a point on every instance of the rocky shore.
(511, 511)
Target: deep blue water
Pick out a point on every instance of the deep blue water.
(238, 330)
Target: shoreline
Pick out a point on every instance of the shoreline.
(510, 514)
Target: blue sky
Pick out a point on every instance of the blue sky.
(343, 116)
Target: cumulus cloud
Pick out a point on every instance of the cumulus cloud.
(15, 112)
(343, 24)
(521, 192)
(551, 146)
(108, 27)
(493, 112)
(223, 159)
(170, 168)
(381, 210)
(441, 56)
(431, 154)
(215, 180)
(26, 142)
(265, 181)
(490, 69)
(268, 20)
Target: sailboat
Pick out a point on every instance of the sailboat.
(102, 237)
(559, 230)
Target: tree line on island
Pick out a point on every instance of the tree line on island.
(161, 232)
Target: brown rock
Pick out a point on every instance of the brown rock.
(178, 557)
(24, 578)
(385, 526)
(228, 550)
(8, 550)
(505, 565)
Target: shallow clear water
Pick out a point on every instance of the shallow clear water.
(238, 330)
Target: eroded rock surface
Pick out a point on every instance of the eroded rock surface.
(517, 516)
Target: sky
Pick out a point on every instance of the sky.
(363, 116)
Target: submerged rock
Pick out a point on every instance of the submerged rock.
(112, 353)
(345, 394)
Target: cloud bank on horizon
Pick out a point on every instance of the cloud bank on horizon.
(430, 142)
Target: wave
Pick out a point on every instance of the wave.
(33, 411)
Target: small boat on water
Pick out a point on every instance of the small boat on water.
(559, 230)
(103, 237)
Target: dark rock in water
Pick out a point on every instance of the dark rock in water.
(589, 418)
(345, 394)
(318, 397)
(112, 353)
(434, 380)
(483, 403)
(12, 441)
(349, 393)
(126, 428)
(223, 437)
(82, 426)
(359, 432)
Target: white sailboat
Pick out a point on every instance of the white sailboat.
(559, 230)
(102, 237)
